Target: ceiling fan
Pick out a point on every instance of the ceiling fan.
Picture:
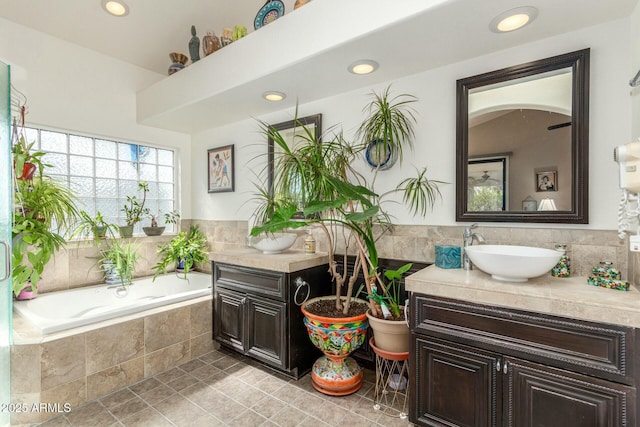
(485, 180)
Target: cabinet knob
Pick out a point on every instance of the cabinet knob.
(243, 301)
(505, 368)
(498, 366)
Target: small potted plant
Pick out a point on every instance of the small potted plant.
(185, 250)
(390, 329)
(25, 162)
(169, 218)
(134, 210)
(118, 262)
(95, 226)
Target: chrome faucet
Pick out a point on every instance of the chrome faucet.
(468, 237)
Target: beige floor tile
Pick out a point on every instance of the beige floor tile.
(91, 414)
(157, 394)
(224, 389)
(148, 417)
(129, 408)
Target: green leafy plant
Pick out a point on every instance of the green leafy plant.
(33, 246)
(189, 247)
(21, 151)
(317, 177)
(135, 210)
(49, 201)
(171, 217)
(390, 302)
(95, 226)
(123, 257)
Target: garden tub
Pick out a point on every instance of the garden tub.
(57, 311)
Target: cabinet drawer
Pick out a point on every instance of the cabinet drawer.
(602, 350)
(271, 284)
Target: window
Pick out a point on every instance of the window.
(102, 173)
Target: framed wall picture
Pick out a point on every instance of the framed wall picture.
(547, 180)
(221, 169)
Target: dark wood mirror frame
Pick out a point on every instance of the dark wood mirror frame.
(579, 63)
(315, 120)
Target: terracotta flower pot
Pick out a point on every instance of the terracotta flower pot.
(335, 373)
(390, 335)
(28, 169)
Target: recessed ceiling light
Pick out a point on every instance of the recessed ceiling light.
(513, 19)
(115, 7)
(363, 66)
(274, 96)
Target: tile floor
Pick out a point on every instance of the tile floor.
(222, 388)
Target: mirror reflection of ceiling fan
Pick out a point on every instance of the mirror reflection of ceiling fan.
(485, 180)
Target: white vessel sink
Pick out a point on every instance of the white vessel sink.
(513, 263)
(273, 243)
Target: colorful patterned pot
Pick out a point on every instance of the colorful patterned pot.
(335, 373)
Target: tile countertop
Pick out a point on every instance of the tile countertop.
(569, 297)
(286, 262)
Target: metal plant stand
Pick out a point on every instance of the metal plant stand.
(392, 382)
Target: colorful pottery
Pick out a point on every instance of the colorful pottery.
(210, 43)
(178, 62)
(272, 10)
(335, 373)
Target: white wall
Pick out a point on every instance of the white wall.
(76, 89)
(610, 118)
(635, 66)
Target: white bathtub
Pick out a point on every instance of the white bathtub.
(57, 311)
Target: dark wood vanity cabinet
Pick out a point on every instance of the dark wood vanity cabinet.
(475, 365)
(256, 313)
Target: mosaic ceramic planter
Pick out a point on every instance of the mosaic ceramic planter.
(335, 373)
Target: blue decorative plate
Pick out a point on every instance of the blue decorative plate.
(272, 10)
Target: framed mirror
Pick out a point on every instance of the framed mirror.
(522, 143)
(289, 130)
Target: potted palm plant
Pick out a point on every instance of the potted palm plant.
(318, 178)
(186, 250)
(134, 210)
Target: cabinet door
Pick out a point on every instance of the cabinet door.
(540, 396)
(454, 385)
(228, 322)
(266, 331)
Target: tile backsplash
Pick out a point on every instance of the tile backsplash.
(587, 248)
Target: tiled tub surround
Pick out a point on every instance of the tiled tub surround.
(57, 311)
(84, 363)
(587, 248)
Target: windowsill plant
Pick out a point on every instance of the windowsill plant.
(134, 211)
(187, 249)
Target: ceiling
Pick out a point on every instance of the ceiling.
(154, 28)
(431, 33)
